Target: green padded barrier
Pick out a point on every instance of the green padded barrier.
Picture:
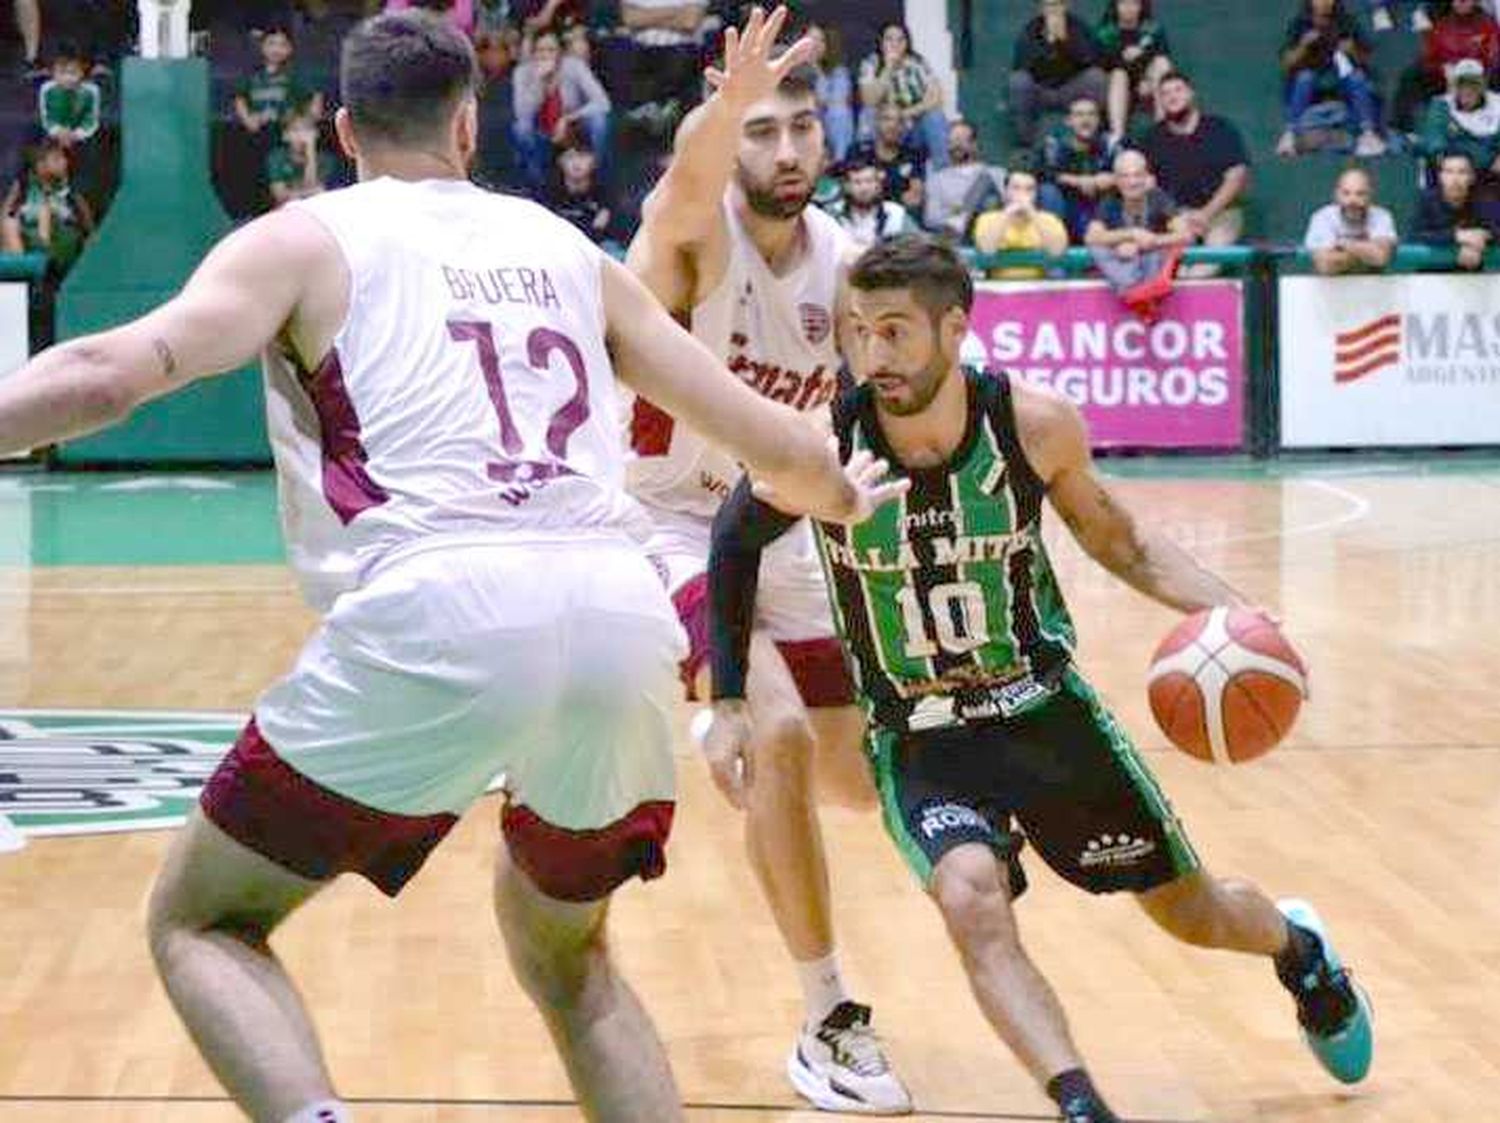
(22, 266)
(163, 220)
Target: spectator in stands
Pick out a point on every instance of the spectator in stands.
(557, 99)
(495, 163)
(42, 213)
(298, 168)
(1056, 62)
(29, 21)
(967, 186)
(1323, 53)
(1466, 119)
(893, 152)
(894, 75)
(460, 13)
(1200, 161)
(665, 63)
(1077, 159)
(69, 102)
(1351, 234)
(863, 210)
(1138, 237)
(1448, 215)
(1136, 54)
(1020, 225)
(535, 16)
(1382, 14)
(274, 92)
(1464, 30)
(576, 194)
(835, 90)
(576, 43)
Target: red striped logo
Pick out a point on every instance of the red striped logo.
(1364, 350)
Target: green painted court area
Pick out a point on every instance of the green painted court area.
(229, 518)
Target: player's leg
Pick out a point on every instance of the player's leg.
(1098, 816)
(212, 911)
(559, 952)
(938, 795)
(591, 807)
(837, 1063)
(842, 772)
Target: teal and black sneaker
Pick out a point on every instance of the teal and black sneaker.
(1333, 1012)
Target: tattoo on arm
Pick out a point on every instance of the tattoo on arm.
(164, 353)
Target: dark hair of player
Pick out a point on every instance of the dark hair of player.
(928, 266)
(403, 74)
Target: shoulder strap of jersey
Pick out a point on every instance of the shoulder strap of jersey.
(998, 403)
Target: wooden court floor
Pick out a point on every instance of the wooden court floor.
(1383, 808)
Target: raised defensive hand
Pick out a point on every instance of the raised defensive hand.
(749, 73)
(866, 477)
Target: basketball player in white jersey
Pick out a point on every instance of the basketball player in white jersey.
(730, 245)
(440, 388)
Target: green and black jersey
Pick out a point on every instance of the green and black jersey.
(946, 599)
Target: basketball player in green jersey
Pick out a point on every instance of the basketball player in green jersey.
(983, 732)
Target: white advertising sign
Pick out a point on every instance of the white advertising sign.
(15, 340)
(1403, 360)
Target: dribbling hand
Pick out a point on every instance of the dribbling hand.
(749, 73)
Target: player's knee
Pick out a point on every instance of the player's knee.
(1190, 908)
(559, 973)
(976, 907)
(784, 750)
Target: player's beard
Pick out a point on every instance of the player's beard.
(922, 388)
(765, 202)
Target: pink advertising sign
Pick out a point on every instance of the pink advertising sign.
(1176, 383)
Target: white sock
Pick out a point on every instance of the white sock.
(324, 1111)
(822, 986)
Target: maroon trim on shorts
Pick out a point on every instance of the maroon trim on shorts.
(589, 865)
(691, 603)
(346, 484)
(820, 671)
(259, 800)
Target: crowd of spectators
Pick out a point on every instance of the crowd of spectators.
(1110, 148)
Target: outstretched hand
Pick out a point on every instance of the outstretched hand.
(868, 489)
(749, 73)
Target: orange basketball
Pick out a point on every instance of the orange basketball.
(1225, 685)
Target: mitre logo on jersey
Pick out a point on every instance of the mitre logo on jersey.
(816, 322)
(100, 771)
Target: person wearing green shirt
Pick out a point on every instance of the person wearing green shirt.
(274, 92)
(42, 214)
(68, 103)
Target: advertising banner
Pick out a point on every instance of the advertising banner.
(1405, 360)
(1175, 383)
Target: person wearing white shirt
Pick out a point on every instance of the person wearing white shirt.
(1351, 234)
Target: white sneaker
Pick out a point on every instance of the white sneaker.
(1420, 21)
(1381, 20)
(838, 1065)
(1369, 144)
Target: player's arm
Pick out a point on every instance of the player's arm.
(1056, 443)
(235, 302)
(677, 373)
(682, 220)
(742, 530)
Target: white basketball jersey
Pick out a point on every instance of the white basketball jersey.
(774, 332)
(468, 393)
